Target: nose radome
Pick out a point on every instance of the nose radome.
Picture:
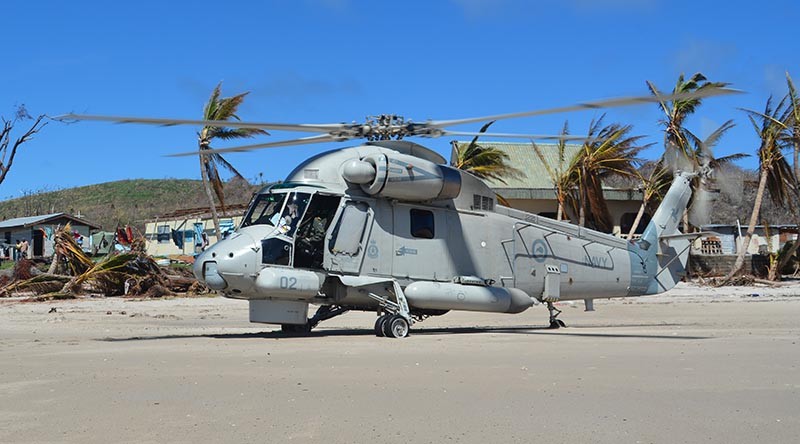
(232, 263)
(234, 255)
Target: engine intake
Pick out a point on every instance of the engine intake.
(403, 177)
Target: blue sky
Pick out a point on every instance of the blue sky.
(340, 60)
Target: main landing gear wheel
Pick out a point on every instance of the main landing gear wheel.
(379, 323)
(395, 326)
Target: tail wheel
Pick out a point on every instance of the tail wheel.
(396, 326)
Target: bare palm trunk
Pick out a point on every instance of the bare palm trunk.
(751, 228)
(686, 227)
(637, 220)
(560, 212)
(210, 195)
(796, 165)
(54, 263)
(582, 208)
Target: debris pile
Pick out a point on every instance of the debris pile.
(73, 273)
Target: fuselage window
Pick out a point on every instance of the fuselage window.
(422, 224)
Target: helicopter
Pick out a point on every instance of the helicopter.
(388, 227)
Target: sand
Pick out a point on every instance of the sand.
(693, 365)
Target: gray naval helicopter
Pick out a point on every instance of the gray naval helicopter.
(387, 226)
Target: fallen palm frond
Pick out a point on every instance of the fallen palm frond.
(69, 254)
(108, 274)
(43, 283)
(72, 273)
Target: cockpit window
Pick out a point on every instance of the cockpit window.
(280, 210)
(292, 212)
(265, 210)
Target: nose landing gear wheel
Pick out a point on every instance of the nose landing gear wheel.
(395, 326)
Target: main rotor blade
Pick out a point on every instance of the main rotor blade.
(237, 149)
(513, 136)
(309, 128)
(598, 104)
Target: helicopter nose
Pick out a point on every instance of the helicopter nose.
(230, 264)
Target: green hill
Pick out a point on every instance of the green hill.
(123, 202)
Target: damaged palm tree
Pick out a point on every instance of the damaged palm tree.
(72, 273)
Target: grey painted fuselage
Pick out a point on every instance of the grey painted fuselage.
(393, 213)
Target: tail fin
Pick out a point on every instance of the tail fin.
(666, 249)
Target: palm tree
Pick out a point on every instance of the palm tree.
(483, 162)
(775, 174)
(701, 155)
(794, 124)
(219, 109)
(607, 151)
(676, 112)
(653, 188)
(560, 175)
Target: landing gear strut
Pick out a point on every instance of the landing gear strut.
(397, 320)
(554, 321)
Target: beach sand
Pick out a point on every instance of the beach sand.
(711, 365)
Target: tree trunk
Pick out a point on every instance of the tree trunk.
(560, 212)
(210, 195)
(785, 260)
(796, 165)
(637, 220)
(54, 263)
(686, 228)
(751, 227)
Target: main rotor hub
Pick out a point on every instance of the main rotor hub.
(388, 127)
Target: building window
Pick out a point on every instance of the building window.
(163, 234)
(422, 225)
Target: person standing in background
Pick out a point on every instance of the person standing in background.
(23, 249)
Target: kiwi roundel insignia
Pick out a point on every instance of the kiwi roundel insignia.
(539, 250)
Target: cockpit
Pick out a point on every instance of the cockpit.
(299, 222)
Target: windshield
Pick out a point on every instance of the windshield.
(265, 210)
(292, 211)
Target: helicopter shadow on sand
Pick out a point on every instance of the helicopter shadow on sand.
(516, 329)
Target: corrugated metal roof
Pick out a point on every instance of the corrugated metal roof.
(33, 220)
(536, 183)
(29, 220)
(523, 157)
